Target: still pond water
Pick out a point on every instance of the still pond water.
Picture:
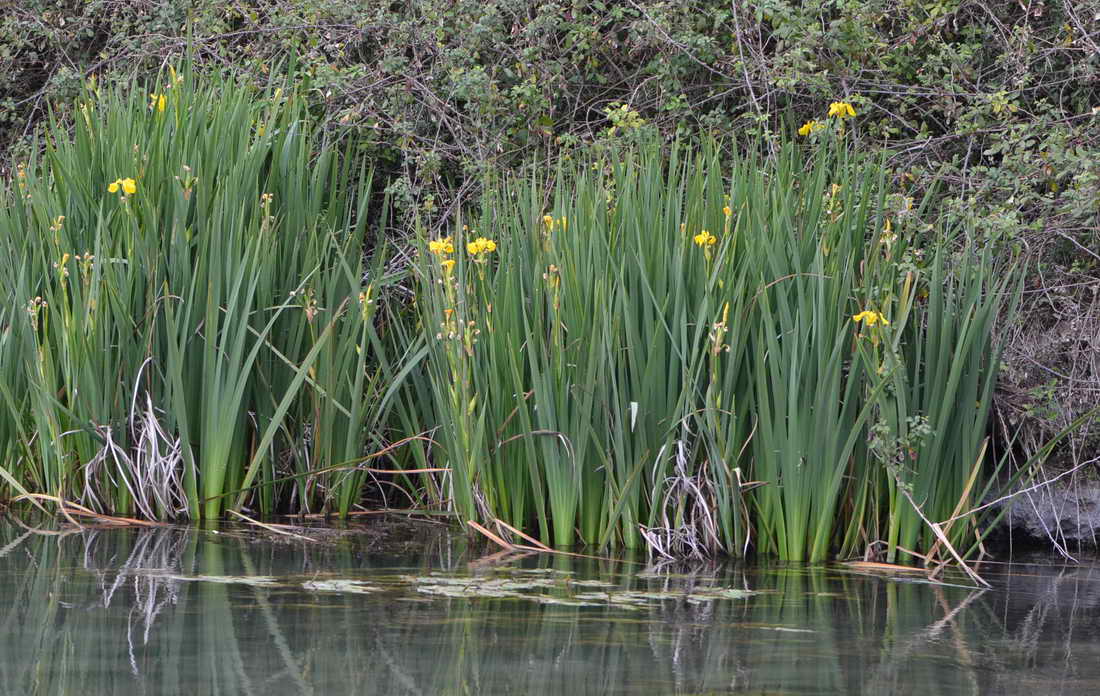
(191, 611)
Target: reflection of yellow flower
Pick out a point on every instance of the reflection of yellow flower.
(810, 127)
(870, 318)
(481, 245)
(158, 101)
(447, 264)
(441, 246)
(705, 239)
(128, 186)
(841, 110)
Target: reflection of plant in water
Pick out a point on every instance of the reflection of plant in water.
(669, 617)
(237, 615)
(944, 625)
(159, 550)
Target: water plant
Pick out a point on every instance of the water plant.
(936, 367)
(190, 278)
(667, 347)
(673, 328)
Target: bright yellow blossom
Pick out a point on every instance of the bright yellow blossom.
(727, 211)
(481, 245)
(128, 186)
(158, 101)
(441, 246)
(705, 239)
(448, 265)
(550, 222)
(810, 127)
(870, 318)
(841, 110)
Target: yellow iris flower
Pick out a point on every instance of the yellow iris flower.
(841, 110)
(870, 318)
(810, 127)
(481, 245)
(128, 186)
(441, 246)
(705, 239)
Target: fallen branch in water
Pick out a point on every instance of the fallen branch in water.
(935, 527)
(69, 508)
(523, 548)
(273, 528)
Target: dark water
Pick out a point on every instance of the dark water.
(188, 611)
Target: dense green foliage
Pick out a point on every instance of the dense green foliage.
(995, 99)
(185, 313)
(690, 322)
(190, 329)
(999, 94)
(419, 117)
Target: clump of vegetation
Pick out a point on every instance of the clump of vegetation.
(448, 105)
(671, 326)
(996, 101)
(192, 329)
(189, 318)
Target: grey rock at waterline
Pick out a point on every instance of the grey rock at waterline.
(1069, 514)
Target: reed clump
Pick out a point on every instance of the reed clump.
(701, 354)
(679, 349)
(189, 316)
